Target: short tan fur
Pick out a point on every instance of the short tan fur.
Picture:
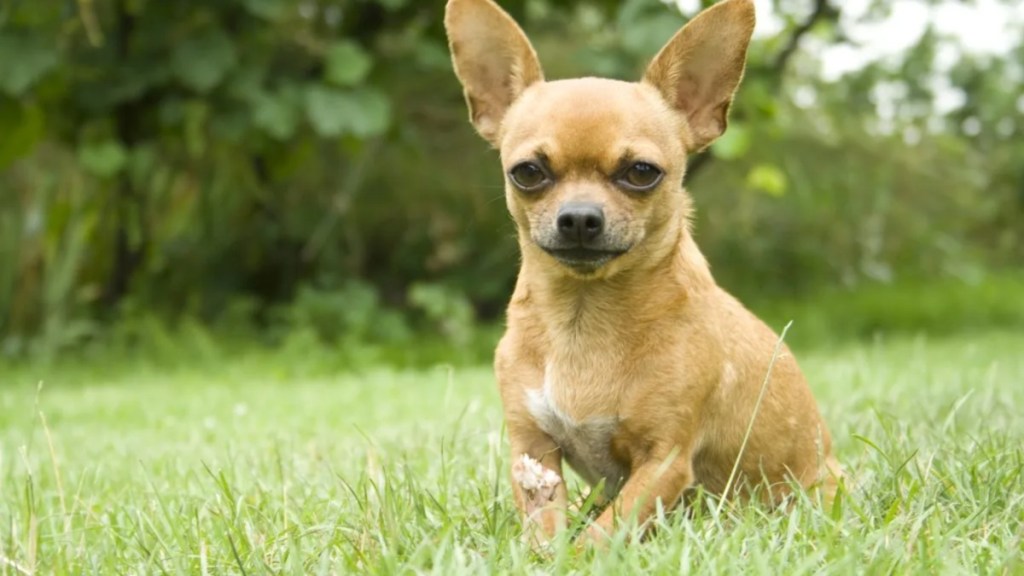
(622, 355)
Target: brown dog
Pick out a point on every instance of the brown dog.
(622, 355)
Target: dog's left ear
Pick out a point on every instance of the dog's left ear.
(700, 68)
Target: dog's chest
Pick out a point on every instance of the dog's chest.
(585, 443)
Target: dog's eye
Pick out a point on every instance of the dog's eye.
(641, 177)
(528, 176)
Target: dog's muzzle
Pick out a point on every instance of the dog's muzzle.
(579, 238)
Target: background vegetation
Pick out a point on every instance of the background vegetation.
(296, 172)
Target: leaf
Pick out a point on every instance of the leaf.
(347, 64)
(734, 143)
(328, 110)
(333, 112)
(769, 179)
(23, 127)
(374, 113)
(103, 159)
(201, 61)
(24, 60)
(271, 10)
(275, 114)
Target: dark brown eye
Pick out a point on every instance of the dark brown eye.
(641, 177)
(528, 176)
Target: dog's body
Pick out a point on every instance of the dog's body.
(622, 355)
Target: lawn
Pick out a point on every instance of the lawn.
(254, 466)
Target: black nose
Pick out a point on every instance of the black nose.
(580, 222)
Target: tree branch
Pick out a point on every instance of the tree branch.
(822, 10)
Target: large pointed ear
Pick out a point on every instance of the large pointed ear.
(493, 60)
(700, 68)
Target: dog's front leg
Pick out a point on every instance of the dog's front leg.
(661, 479)
(537, 483)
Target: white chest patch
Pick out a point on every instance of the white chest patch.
(585, 445)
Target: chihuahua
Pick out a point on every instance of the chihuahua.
(622, 356)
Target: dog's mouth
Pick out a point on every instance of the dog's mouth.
(582, 259)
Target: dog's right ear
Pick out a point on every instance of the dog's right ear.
(493, 60)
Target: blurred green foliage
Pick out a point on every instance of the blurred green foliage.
(304, 169)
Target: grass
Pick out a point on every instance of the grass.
(250, 466)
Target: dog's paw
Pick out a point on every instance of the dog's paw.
(537, 482)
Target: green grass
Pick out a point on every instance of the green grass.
(251, 466)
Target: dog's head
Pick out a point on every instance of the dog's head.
(594, 167)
